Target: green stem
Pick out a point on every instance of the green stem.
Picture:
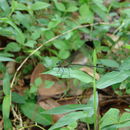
(94, 90)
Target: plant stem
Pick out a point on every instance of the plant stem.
(94, 90)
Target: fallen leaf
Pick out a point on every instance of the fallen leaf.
(90, 72)
(80, 59)
(74, 90)
(57, 88)
(49, 104)
(11, 67)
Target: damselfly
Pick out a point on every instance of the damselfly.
(68, 70)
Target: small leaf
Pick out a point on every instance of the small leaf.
(86, 14)
(127, 46)
(30, 43)
(112, 78)
(110, 117)
(34, 87)
(25, 19)
(64, 54)
(99, 3)
(18, 6)
(36, 35)
(60, 6)
(68, 119)
(2, 59)
(125, 65)
(70, 73)
(72, 9)
(6, 106)
(13, 47)
(124, 120)
(38, 81)
(49, 83)
(34, 112)
(53, 23)
(20, 38)
(39, 5)
(50, 62)
(99, 12)
(60, 44)
(16, 98)
(4, 5)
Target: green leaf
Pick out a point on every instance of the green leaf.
(39, 5)
(112, 78)
(38, 81)
(70, 108)
(72, 126)
(99, 3)
(18, 6)
(49, 83)
(70, 73)
(86, 14)
(60, 6)
(5, 54)
(110, 117)
(5, 7)
(13, 47)
(35, 35)
(25, 19)
(34, 87)
(34, 112)
(72, 9)
(99, 12)
(6, 84)
(7, 124)
(6, 106)
(64, 54)
(49, 34)
(68, 119)
(125, 65)
(60, 44)
(16, 98)
(124, 120)
(53, 23)
(109, 62)
(31, 43)
(127, 46)
(18, 33)
(2, 59)
(50, 62)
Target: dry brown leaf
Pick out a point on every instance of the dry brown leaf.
(74, 91)
(90, 72)
(57, 88)
(11, 67)
(115, 38)
(80, 59)
(49, 104)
